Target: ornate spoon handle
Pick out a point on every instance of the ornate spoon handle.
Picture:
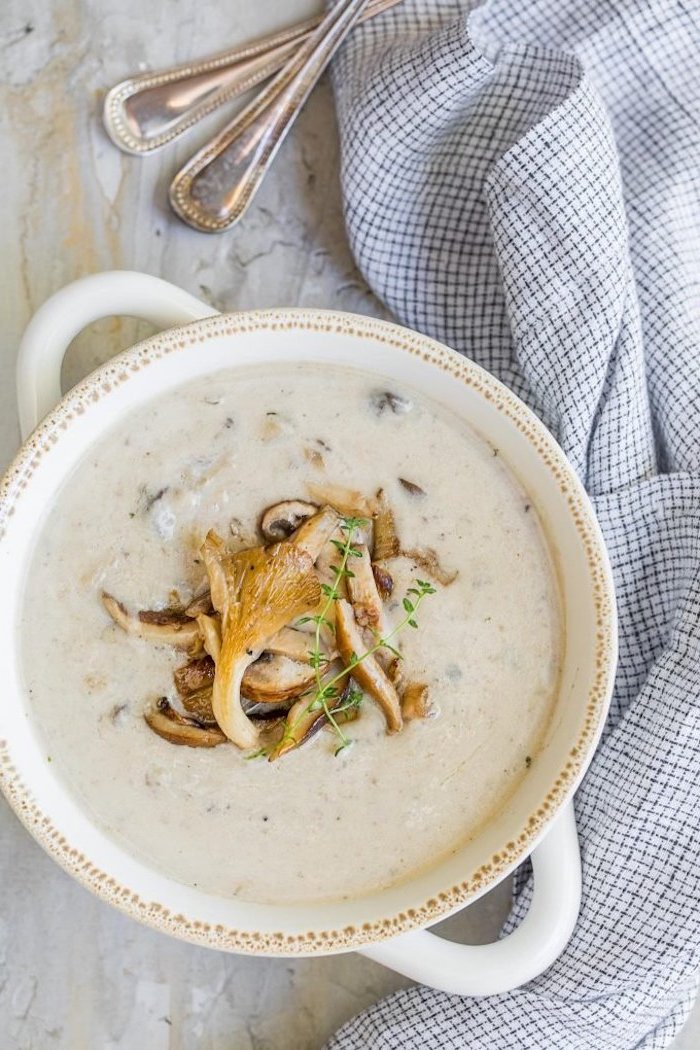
(214, 188)
(145, 112)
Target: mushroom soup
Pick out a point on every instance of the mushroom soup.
(438, 630)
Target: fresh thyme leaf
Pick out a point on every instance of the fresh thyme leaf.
(412, 623)
(408, 605)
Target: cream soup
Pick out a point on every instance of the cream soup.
(310, 826)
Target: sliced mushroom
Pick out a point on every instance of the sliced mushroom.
(386, 540)
(363, 593)
(179, 729)
(315, 532)
(210, 626)
(201, 603)
(199, 706)
(281, 520)
(257, 593)
(291, 643)
(302, 723)
(194, 675)
(346, 501)
(214, 552)
(384, 580)
(428, 560)
(164, 627)
(272, 679)
(414, 701)
(369, 674)
(266, 715)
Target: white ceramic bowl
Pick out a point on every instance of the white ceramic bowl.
(389, 925)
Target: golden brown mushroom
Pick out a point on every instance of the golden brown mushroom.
(198, 704)
(282, 519)
(384, 580)
(427, 559)
(363, 592)
(369, 674)
(346, 501)
(386, 540)
(303, 720)
(274, 678)
(195, 675)
(179, 729)
(315, 532)
(414, 701)
(257, 592)
(163, 627)
(291, 643)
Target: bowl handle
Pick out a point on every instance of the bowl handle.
(489, 969)
(65, 314)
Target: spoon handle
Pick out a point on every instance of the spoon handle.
(145, 112)
(212, 191)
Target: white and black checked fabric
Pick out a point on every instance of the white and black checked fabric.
(523, 184)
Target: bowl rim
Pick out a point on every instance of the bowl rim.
(117, 371)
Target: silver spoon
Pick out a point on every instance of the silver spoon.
(145, 112)
(212, 191)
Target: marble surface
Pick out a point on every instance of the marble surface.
(74, 973)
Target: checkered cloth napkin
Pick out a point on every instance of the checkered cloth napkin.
(523, 184)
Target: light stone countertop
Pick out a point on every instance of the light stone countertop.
(74, 973)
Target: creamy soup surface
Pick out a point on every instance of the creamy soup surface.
(309, 826)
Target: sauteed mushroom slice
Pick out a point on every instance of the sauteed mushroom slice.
(210, 626)
(349, 502)
(273, 678)
(164, 627)
(179, 729)
(201, 604)
(386, 540)
(428, 560)
(282, 519)
(363, 592)
(195, 675)
(384, 580)
(213, 552)
(291, 643)
(257, 592)
(369, 674)
(198, 705)
(414, 701)
(266, 715)
(315, 532)
(301, 724)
